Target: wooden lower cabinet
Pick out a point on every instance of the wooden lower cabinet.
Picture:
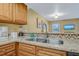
(31, 50)
(41, 51)
(7, 49)
(23, 49)
(26, 50)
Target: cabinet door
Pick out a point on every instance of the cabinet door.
(20, 13)
(5, 12)
(7, 49)
(49, 52)
(28, 49)
(1, 13)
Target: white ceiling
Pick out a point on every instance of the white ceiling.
(45, 9)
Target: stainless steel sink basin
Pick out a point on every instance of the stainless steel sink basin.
(56, 41)
(42, 40)
(30, 38)
(38, 39)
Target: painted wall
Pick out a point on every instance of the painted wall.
(11, 27)
(63, 22)
(32, 21)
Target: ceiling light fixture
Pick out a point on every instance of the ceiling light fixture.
(56, 13)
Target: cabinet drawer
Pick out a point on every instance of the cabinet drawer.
(11, 53)
(27, 48)
(49, 52)
(22, 53)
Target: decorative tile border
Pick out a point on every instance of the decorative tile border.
(68, 36)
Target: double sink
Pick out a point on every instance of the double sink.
(45, 40)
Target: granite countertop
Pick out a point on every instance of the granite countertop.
(69, 48)
(58, 47)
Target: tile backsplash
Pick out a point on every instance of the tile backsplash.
(66, 36)
(70, 39)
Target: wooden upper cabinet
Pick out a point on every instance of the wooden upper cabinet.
(20, 13)
(13, 13)
(5, 13)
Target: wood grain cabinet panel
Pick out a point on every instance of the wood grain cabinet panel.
(15, 13)
(10, 49)
(11, 53)
(23, 53)
(23, 49)
(5, 13)
(27, 49)
(49, 52)
(46, 53)
(1, 51)
(7, 49)
(20, 13)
